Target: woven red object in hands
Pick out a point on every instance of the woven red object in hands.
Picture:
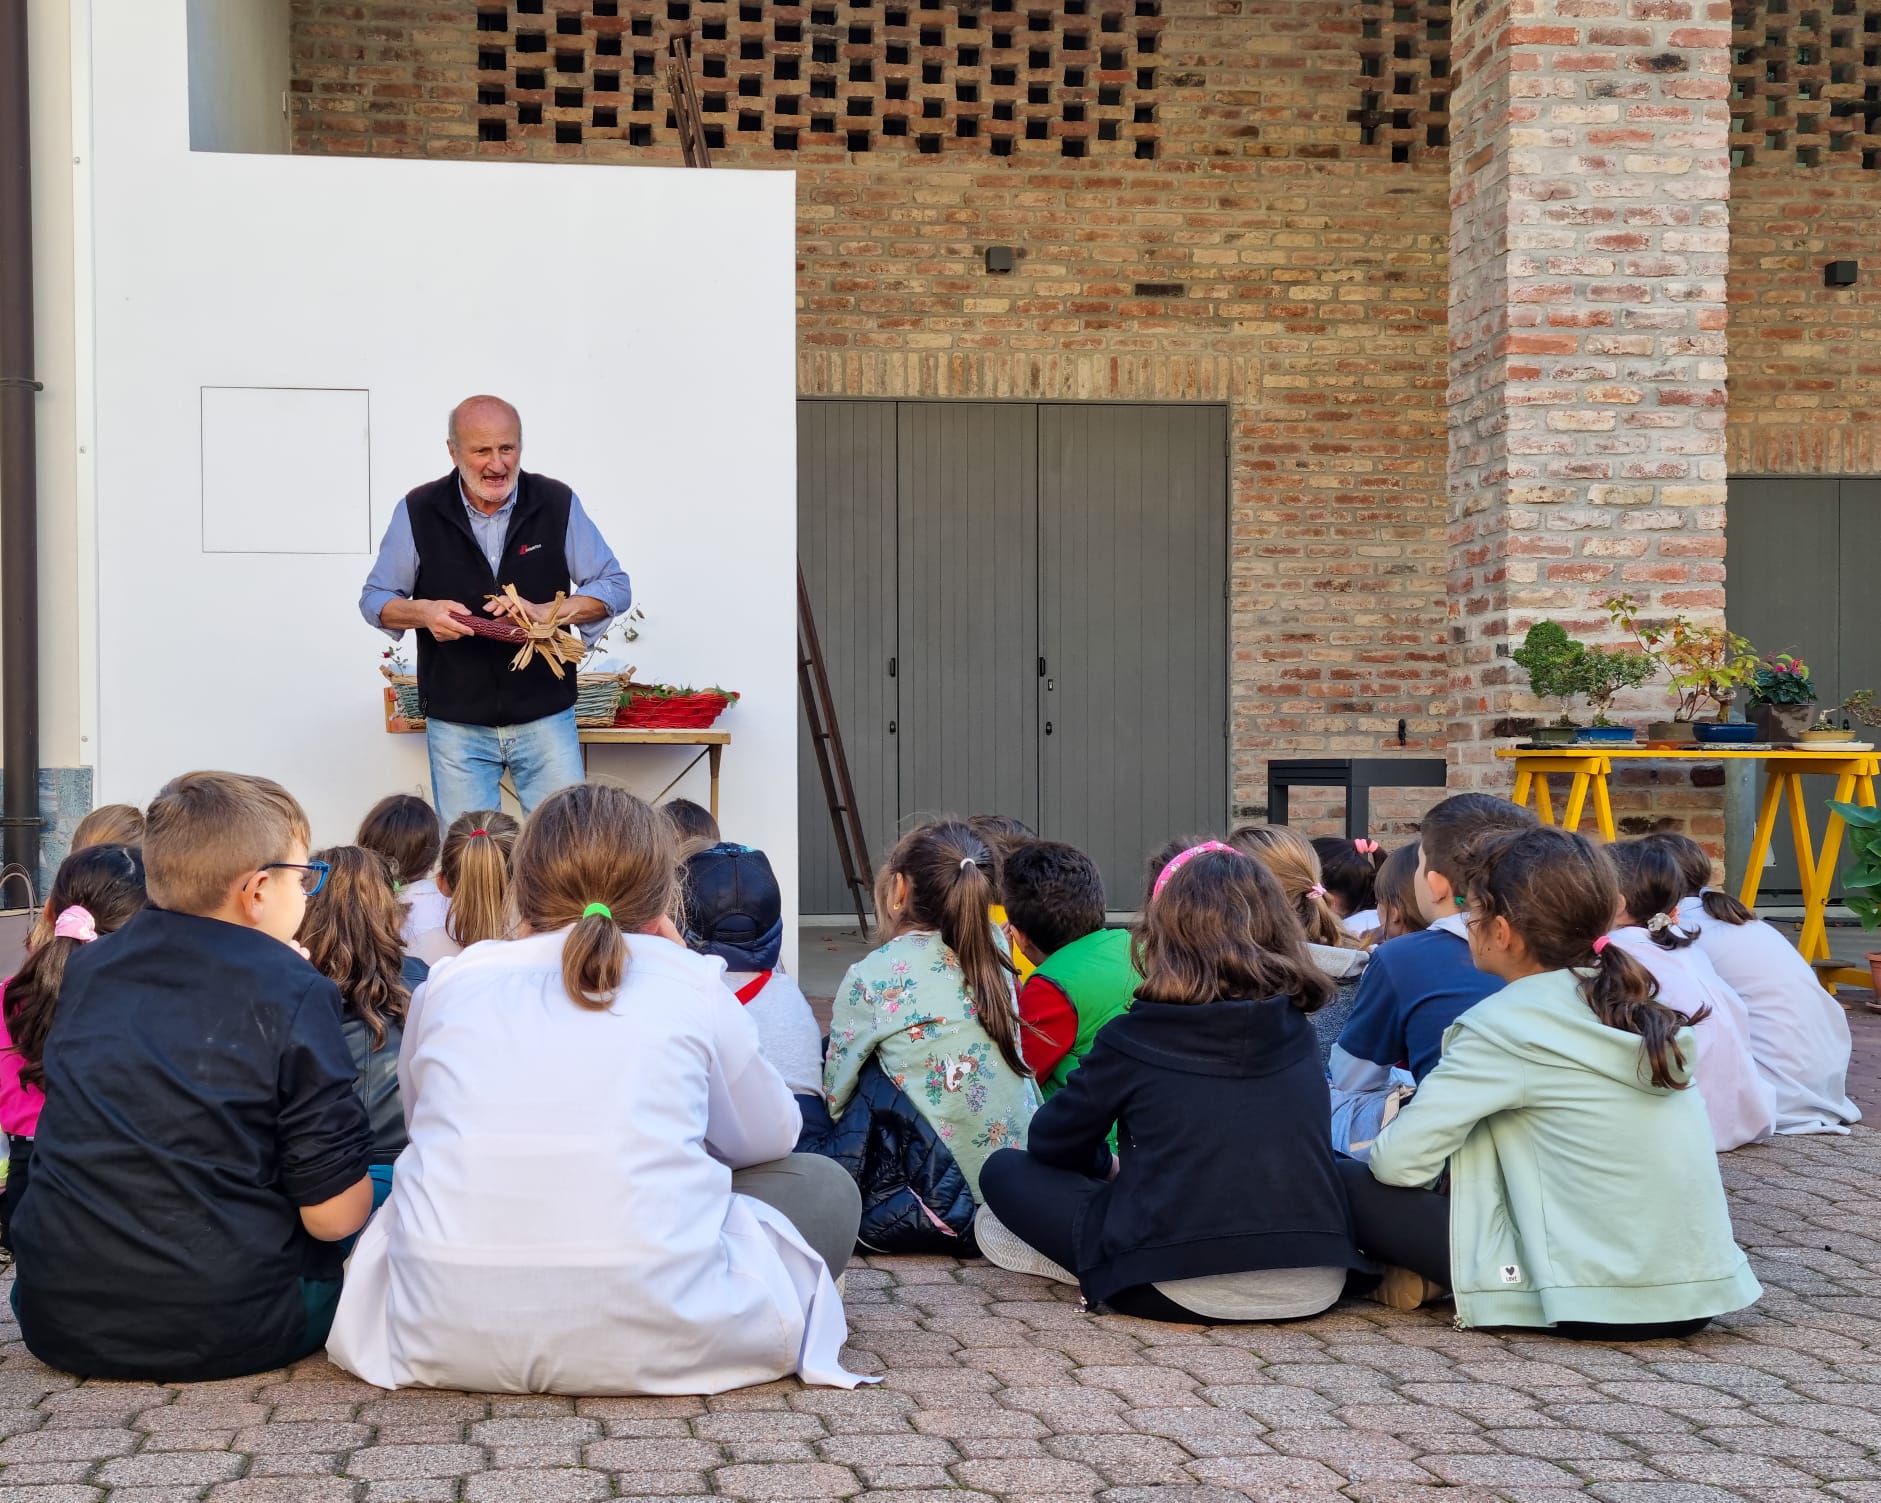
(496, 628)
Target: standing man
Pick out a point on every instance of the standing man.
(487, 524)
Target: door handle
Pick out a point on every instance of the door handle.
(891, 727)
(1048, 727)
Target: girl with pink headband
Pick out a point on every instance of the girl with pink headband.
(95, 891)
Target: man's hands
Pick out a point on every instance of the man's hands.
(433, 616)
(575, 610)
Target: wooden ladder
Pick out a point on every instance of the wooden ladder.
(826, 737)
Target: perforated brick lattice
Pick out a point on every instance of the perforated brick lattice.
(1073, 78)
(1806, 82)
(1404, 77)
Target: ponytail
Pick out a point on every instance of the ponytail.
(476, 864)
(950, 871)
(1725, 908)
(1624, 995)
(594, 960)
(1295, 865)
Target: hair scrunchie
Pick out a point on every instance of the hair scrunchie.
(601, 908)
(76, 923)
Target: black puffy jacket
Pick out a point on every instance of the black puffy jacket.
(914, 1197)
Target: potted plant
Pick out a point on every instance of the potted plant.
(1859, 707)
(1780, 698)
(1706, 665)
(1553, 661)
(1861, 878)
(1604, 672)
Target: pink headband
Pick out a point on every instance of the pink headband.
(75, 923)
(1178, 862)
(1601, 944)
(1365, 847)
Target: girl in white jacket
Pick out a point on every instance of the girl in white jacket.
(1798, 1032)
(1650, 928)
(599, 1194)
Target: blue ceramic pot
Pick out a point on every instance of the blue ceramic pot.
(1606, 734)
(1734, 733)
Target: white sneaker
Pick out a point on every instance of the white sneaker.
(1001, 1248)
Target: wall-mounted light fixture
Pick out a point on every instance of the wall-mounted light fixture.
(999, 259)
(1841, 273)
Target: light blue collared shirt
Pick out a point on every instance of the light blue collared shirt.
(592, 568)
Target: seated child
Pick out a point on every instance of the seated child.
(1798, 1032)
(1003, 835)
(563, 1219)
(1417, 985)
(351, 932)
(402, 829)
(1084, 977)
(202, 1150)
(735, 912)
(1739, 1101)
(1291, 858)
(1399, 911)
(1350, 869)
(693, 825)
(1215, 1051)
(108, 824)
(1584, 1195)
(97, 891)
(473, 877)
(924, 1041)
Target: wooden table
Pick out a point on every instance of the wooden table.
(1588, 767)
(711, 744)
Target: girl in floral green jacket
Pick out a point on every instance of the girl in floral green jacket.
(934, 1002)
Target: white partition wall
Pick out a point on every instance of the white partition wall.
(277, 341)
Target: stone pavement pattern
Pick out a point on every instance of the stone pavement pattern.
(998, 1387)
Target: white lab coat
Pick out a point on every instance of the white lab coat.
(1798, 1032)
(1738, 1099)
(562, 1218)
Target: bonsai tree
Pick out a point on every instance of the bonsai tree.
(1781, 679)
(1555, 663)
(1605, 671)
(1861, 878)
(1859, 707)
(1706, 665)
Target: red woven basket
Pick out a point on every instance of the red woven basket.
(644, 708)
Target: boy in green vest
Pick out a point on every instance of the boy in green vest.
(1055, 913)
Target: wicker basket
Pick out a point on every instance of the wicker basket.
(405, 692)
(651, 707)
(598, 697)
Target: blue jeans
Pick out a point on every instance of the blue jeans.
(467, 762)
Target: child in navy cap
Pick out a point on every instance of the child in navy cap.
(734, 911)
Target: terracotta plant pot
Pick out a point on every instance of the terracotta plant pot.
(1874, 972)
(1782, 723)
(1679, 731)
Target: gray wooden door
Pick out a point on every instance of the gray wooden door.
(846, 542)
(1133, 630)
(1802, 553)
(968, 735)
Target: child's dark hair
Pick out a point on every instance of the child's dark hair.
(1558, 892)
(1222, 928)
(351, 931)
(1453, 826)
(403, 831)
(1054, 893)
(1695, 873)
(692, 823)
(1396, 892)
(107, 881)
(950, 888)
(1350, 875)
(1003, 835)
(1652, 885)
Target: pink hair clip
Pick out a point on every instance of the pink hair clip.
(1176, 863)
(75, 923)
(1316, 891)
(1365, 847)
(1601, 944)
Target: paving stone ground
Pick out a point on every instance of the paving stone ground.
(997, 1386)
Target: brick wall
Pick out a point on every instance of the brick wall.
(1271, 255)
(1805, 359)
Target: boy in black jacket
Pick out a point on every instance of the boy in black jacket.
(202, 1150)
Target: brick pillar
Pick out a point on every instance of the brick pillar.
(1589, 176)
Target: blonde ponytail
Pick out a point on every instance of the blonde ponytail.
(475, 865)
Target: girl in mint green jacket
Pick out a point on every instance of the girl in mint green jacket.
(1583, 1191)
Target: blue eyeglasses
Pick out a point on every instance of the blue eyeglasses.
(313, 874)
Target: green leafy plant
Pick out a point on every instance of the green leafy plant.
(1861, 878)
(1605, 671)
(1782, 680)
(1859, 707)
(1706, 665)
(1555, 664)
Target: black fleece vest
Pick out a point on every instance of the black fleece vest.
(469, 681)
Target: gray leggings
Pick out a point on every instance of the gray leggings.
(816, 1194)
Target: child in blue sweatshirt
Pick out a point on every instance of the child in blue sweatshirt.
(1417, 985)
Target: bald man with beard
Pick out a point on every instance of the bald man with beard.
(487, 524)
